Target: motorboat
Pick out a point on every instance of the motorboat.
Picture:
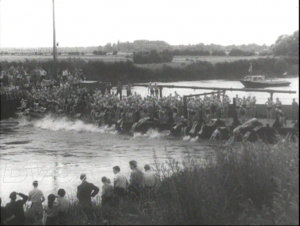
(259, 81)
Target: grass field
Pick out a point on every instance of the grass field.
(108, 58)
(178, 61)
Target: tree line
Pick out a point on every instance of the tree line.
(126, 71)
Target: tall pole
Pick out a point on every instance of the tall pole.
(0, 24)
(54, 45)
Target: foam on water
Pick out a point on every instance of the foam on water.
(24, 122)
(65, 124)
(151, 133)
(194, 139)
(186, 138)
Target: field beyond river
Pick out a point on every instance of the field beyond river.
(182, 68)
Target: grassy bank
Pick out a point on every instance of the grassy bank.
(241, 184)
(126, 71)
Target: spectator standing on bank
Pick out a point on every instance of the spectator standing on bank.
(85, 191)
(253, 107)
(151, 89)
(269, 105)
(16, 208)
(119, 89)
(107, 191)
(295, 108)
(156, 90)
(136, 179)
(63, 206)
(150, 181)
(278, 103)
(128, 90)
(120, 182)
(51, 211)
(36, 196)
(238, 105)
(6, 215)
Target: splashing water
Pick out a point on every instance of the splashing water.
(65, 124)
(151, 133)
(194, 139)
(186, 138)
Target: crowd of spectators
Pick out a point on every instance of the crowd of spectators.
(56, 211)
(66, 95)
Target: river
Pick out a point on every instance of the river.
(56, 152)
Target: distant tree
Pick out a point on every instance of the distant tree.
(152, 57)
(239, 52)
(287, 45)
(108, 47)
(101, 53)
(218, 53)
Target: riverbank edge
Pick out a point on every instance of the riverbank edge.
(242, 184)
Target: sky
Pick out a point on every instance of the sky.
(28, 23)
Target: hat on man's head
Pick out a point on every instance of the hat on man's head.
(82, 176)
(35, 182)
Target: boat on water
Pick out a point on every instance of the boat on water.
(259, 81)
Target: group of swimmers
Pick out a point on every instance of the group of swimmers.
(140, 184)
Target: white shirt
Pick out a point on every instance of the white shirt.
(120, 180)
(63, 204)
(35, 195)
(150, 178)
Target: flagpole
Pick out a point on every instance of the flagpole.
(54, 45)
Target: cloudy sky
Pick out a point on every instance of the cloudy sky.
(28, 23)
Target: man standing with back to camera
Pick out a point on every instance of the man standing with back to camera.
(85, 191)
(36, 196)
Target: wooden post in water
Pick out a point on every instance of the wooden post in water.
(160, 91)
(271, 95)
(185, 106)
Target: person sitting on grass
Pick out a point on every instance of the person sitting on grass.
(63, 206)
(16, 208)
(107, 191)
(51, 211)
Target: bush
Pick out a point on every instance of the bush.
(218, 53)
(242, 184)
(239, 52)
(152, 57)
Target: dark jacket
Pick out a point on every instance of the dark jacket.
(86, 190)
(5, 213)
(16, 208)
